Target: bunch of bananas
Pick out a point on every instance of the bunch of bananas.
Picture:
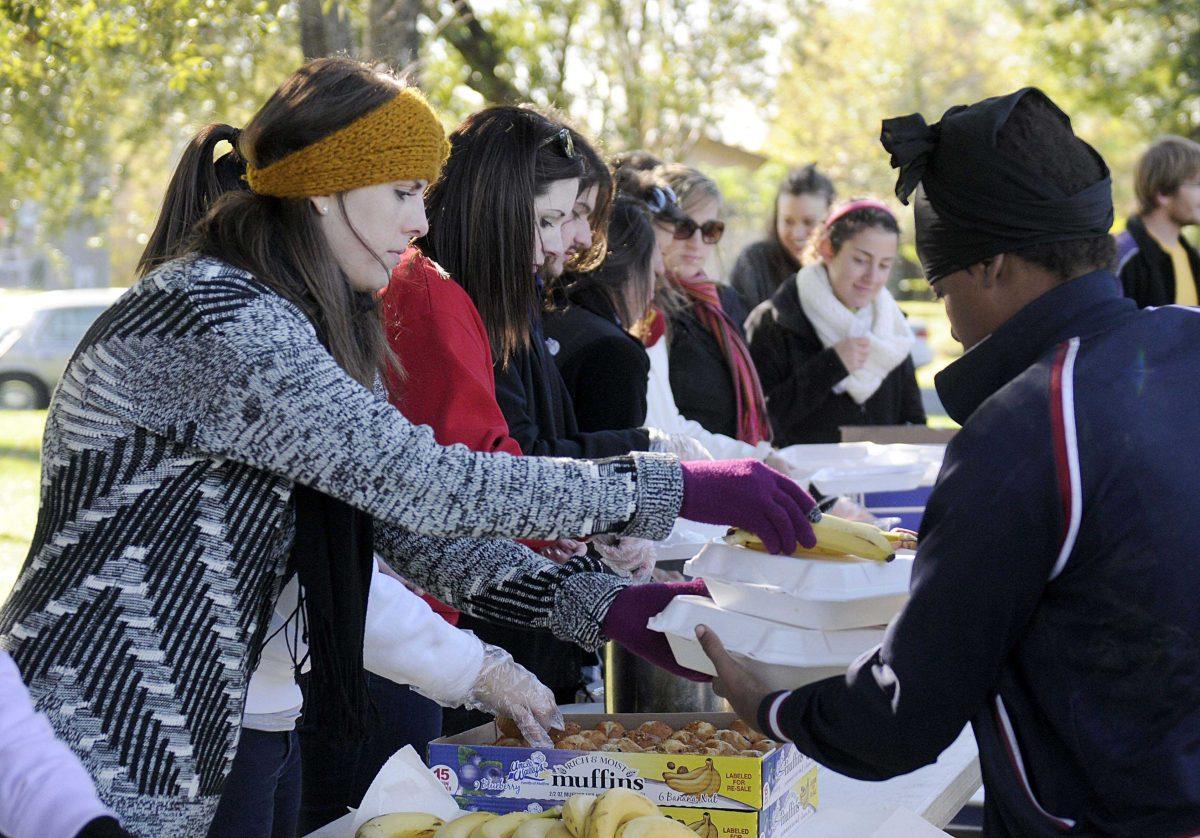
(839, 538)
(703, 780)
(618, 813)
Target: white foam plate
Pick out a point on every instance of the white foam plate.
(783, 657)
(853, 479)
(815, 593)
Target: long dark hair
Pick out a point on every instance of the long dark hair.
(805, 180)
(481, 218)
(208, 208)
(626, 271)
(596, 173)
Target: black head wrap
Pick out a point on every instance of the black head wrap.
(975, 201)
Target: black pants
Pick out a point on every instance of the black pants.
(261, 798)
(337, 775)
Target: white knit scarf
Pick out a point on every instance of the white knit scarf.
(891, 339)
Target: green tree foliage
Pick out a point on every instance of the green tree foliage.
(1138, 59)
(861, 63)
(91, 92)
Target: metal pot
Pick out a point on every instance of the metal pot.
(633, 685)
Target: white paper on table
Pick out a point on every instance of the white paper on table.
(404, 784)
(871, 823)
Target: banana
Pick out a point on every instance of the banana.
(575, 814)
(501, 827)
(555, 813)
(464, 826)
(837, 537)
(704, 827)
(614, 808)
(400, 825)
(703, 780)
(540, 827)
(654, 826)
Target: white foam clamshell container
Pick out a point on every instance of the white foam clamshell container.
(782, 657)
(816, 593)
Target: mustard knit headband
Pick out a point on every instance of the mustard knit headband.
(402, 139)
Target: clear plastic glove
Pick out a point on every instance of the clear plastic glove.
(505, 688)
(681, 445)
(630, 557)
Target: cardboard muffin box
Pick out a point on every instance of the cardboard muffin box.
(740, 793)
(776, 821)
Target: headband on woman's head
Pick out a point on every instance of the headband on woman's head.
(850, 206)
(401, 139)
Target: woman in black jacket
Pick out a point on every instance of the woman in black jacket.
(831, 346)
(801, 205)
(603, 363)
(712, 376)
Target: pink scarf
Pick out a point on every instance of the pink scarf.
(753, 426)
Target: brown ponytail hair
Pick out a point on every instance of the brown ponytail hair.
(209, 209)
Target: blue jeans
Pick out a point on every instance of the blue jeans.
(337, 774)
(261, 798)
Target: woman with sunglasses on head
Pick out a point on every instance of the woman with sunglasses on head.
(802, 202)
(831, 345)
(598, 322)
(464, 315)
(217, 434)
(712, 376)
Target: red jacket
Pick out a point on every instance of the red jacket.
(435, 330)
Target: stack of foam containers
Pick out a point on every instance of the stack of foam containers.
(791, 620)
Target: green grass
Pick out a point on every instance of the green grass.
(20, 472)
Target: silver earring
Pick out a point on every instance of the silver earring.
(324, 209)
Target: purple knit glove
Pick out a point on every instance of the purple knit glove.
(751, 496)
(626, 621)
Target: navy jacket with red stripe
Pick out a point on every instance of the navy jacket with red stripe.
(1056, 592)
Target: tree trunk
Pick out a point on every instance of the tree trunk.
(482, 55)
(324, 32)
(392, 34)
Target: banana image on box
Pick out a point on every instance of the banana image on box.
(703, 780)
(839, 538)
(704, 827)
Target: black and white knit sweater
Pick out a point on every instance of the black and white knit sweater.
(172, 445)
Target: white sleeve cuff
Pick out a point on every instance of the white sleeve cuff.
(773, 729)
(409, 643)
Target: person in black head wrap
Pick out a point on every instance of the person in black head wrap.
(974, 200)
(1052, 602)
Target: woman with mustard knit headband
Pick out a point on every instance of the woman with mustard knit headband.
(219, 469)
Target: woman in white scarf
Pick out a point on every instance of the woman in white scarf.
(832, 347)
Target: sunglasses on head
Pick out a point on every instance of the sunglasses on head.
(565, 142)
(660, 199)
(710, 231)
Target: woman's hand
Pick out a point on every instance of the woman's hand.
(563, 550)
(625, 622)
(505, 688)
(853, 352)
(751, 496)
